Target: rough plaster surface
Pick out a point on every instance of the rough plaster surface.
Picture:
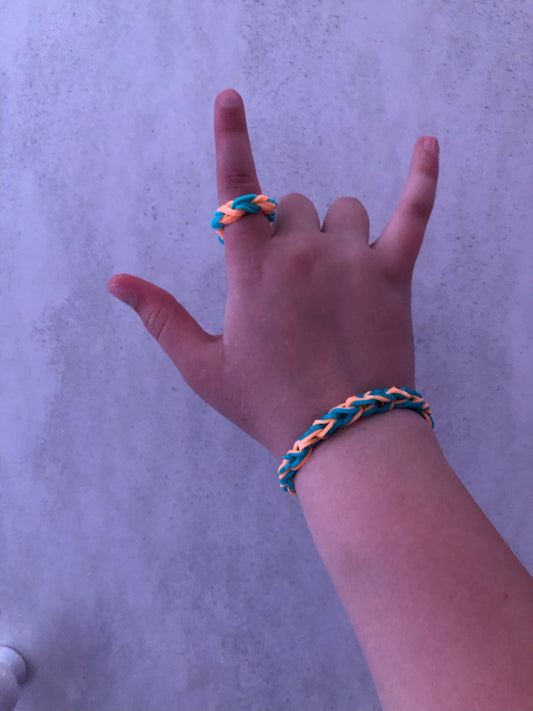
(149, 559)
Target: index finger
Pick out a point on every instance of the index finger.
(236, 174)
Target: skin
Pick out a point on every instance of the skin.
(442, 608)
(296, 288)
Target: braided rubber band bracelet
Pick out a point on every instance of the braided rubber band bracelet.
(235, 209)
(345, 414)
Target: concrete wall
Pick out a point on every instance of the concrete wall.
(149, 559)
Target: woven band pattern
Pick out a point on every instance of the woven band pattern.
(369, 403)
(235, 209)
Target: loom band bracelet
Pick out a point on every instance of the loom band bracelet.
(369, 403)
(233, 210)
(364, 406)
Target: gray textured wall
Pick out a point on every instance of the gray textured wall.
(150, 560)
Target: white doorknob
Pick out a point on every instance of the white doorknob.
(12, 675)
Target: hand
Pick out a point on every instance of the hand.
(314, 315)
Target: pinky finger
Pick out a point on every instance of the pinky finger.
(402, 238)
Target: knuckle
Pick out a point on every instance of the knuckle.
(155, 319)
(236, 181)
(295, 198)
(295, 195)
(351, 202)
(302, 257)
(396, 275)
(419, 209)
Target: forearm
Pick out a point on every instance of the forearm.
(441, 606)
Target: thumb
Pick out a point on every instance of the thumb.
(190, 348)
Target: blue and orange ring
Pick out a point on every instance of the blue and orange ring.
(235, 209)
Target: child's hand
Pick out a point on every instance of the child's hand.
(313, 315)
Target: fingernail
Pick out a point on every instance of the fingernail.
(431, 145)
(125, 295)
(230, 99)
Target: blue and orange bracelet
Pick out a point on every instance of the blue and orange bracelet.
(347, 413)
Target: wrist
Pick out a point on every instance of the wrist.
(353, 412)
(387, 432)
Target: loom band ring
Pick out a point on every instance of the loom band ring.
(233, 210)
